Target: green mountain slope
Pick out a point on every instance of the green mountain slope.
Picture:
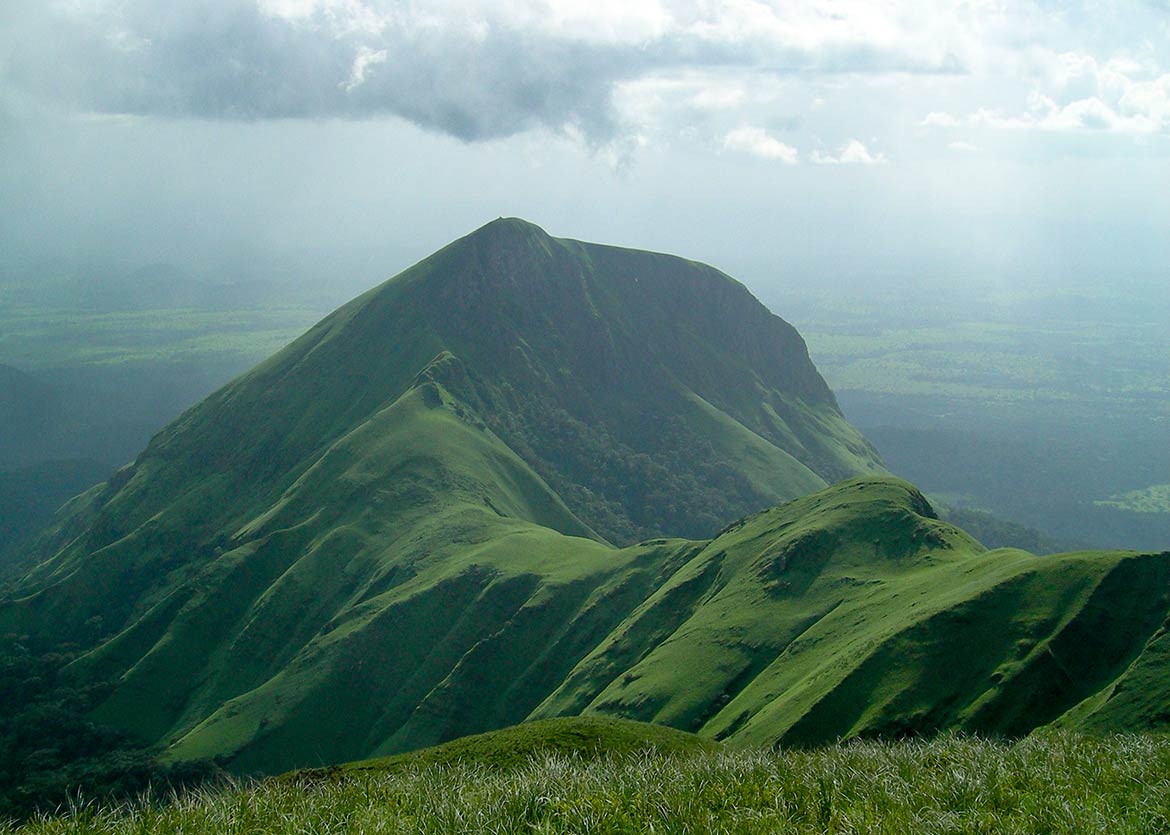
(854, 611)
(399, 530)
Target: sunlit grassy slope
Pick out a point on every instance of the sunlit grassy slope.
(854, 612)
(580, 737)
(400, 530)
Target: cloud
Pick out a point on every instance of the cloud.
(599, 73)
(474, 69)
(757, 142)
(1138, 115)
(364, 59)
(854, 153)
(939, 120)
(964, 147)
(1080, 94)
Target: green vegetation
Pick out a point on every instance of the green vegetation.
(994, 532)
(850, 612)
(580, 737)
(1056, 785)
(984, 352)
(464, 439)
(40, 338)
(52, 750)
(853, 612)
(1152, 499)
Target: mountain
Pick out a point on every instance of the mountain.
(33, 421)
(30, 495)
(404, 528)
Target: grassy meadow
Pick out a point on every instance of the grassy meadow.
(951, 784)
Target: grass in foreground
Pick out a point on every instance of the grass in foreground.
(1061, 784)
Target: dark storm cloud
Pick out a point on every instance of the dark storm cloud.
(223, 60)
(230, 61)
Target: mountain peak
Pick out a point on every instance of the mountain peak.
(509, 224)
(508, 230)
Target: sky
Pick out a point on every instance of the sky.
(789, 143)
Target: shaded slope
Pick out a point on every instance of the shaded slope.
(350, 614)
(434, 564)
(605, 369)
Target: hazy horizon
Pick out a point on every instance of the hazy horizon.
(1012, 146)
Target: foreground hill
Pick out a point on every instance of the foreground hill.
(580, 737)
(399, 530)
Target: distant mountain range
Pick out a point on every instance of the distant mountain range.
(445, 509)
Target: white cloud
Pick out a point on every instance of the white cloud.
(940, 120)
(964, 147)
(1079, 93)
(854, 153)
(1149, 100)
(756, 141)
(362, 61)
(1151, 115)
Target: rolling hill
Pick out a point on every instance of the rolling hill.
(442, 511)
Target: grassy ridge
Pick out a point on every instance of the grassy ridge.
(853, 611)
(1057, 785)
